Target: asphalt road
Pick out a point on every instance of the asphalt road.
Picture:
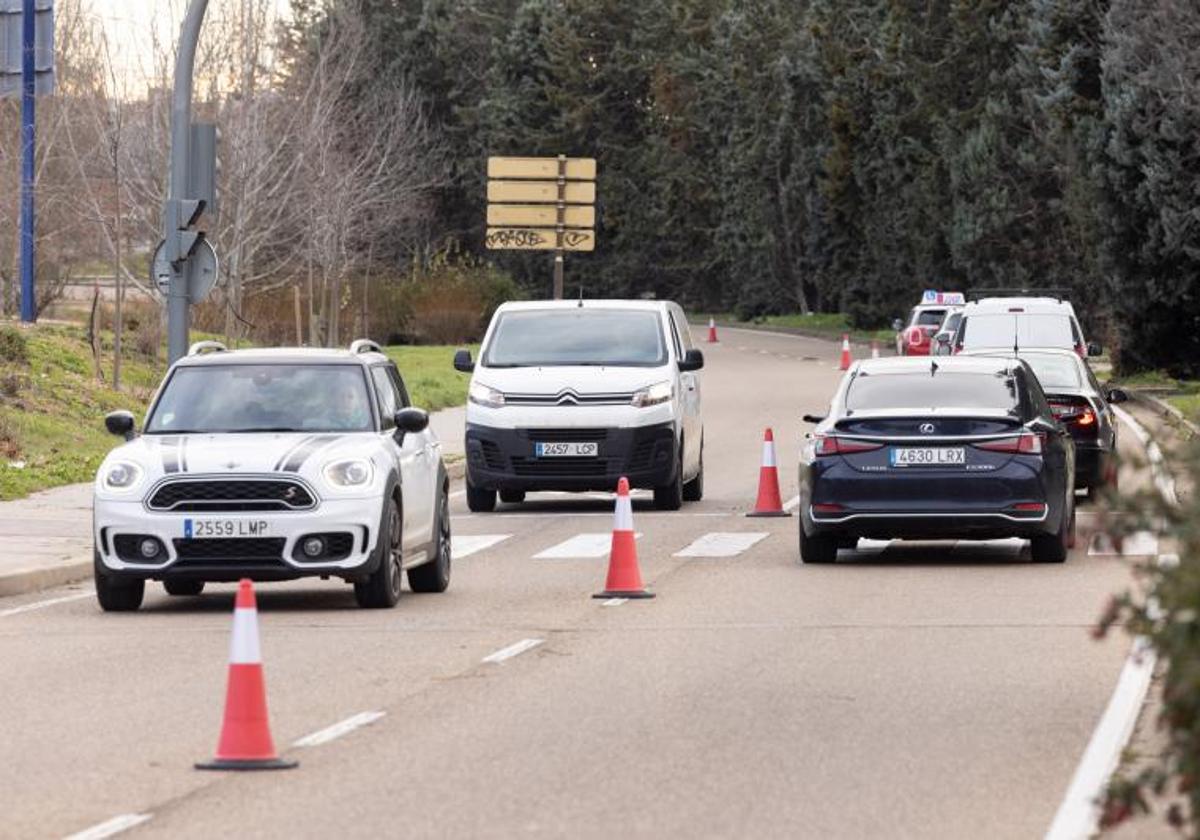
(933, 690)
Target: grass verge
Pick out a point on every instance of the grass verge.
(819, 324)
(433, 383)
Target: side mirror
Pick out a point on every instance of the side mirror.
(121, 424)
(692, 360)
(1116, 395)
(897, 325)
(943, 339)
(463, 362)
(411, 420)
(1095, 349)
(812, 418)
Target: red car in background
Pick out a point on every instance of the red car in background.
(915, 338)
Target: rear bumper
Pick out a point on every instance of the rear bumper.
(503, 459)
(1092, 465)
(948, 524)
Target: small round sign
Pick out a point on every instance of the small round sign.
(202, 278)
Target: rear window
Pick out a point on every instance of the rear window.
(1019, 330)
(932, 390)
(929, 317)
(1055, 371)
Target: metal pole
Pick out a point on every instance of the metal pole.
(561, 216)
(29, 147)
(181, 122)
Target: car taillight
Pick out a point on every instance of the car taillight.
(1023, 444)
(916, 337)
(1029, 507)
(833, 445)
(1074, 415)
(1087, 418)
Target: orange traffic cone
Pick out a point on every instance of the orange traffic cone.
(624, 577)
(768, 503)
(845, 365)
(874, 349)
(245, 734)
(712, 331)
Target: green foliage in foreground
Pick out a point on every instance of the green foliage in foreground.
(1165, 610)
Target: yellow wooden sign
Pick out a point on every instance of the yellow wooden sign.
(538, 192)
(577, 169)
(537, 239)
(540, 215)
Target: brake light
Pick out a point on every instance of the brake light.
(833, 445)
(1027, 443)
(1080, 415)
(827, 508)
(916, 337)
(1087, 418)
(1028, 507)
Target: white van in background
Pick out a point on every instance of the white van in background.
(572, 395)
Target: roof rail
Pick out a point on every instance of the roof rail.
(1056, 293)
(364, 345)
(207, 347)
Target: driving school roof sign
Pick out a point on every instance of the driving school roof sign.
(946, 298)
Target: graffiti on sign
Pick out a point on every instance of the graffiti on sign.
(523, 238)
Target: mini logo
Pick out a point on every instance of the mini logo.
(927, 428)
(290, 495)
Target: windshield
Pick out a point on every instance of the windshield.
(262, 398)
(1054, 371)
(560, 337)
(1020, 330)
(927, 391)
(929, 317)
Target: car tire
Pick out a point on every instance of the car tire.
(434, 576)
(512, 497)
(480, 500)
(818, 548)
(1054, 548)
(183, 587)
(382, 589)
(693, 491)
(116, 594)
(670, 496)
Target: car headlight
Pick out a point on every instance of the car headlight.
(654, 395)
(122, 476)
(481, 394)
(354, 472)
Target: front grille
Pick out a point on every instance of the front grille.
(569, 398)
(231, 495)
(560, 467)
(642, 457)
(230, 551)
(565, 435)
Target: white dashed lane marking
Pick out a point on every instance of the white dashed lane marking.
(38, 605)
(108, 828)
(512, 650)
(467, 544)
(580, 546)
(344, 727)
(722, 544)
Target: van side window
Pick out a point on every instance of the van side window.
(398, 382)
(675, 337)
(685, 333)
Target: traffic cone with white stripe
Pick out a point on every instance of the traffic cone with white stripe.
(712, 331)
(246, 733)
(769, 502)
(624, 576)
(845, 365)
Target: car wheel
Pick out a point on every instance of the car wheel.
(183, 587)
(819, 548)
(480, 500)
(512, 497)
(116, 594)
(670, 496)
(382, 589)
(1053, 548)
(693, 491)
(434, 576)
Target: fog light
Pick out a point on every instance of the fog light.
(149, 548)
(314, 547)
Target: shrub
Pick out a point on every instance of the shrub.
(13, 347)
(1166, 612)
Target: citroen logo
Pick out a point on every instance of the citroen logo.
(232, 465)
(567, 397)
(927, 428)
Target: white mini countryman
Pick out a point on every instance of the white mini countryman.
(274, 465)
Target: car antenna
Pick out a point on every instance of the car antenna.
(1016, 338)
(581, 297)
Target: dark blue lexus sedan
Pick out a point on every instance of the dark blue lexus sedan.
(938, 448)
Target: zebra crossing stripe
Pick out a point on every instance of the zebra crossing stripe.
(721, 544)
(464, 545)
(580, 546)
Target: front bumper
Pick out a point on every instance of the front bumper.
(503, 459)
(261, 545)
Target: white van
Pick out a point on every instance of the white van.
(572, 395)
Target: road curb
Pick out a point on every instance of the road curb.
(1165, 409)
(24, 581)
(456, 470)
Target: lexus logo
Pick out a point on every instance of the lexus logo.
(927, 428)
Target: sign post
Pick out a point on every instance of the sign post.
(542, 204)
(29, 23)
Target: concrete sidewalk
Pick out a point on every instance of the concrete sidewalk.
(46, 539)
